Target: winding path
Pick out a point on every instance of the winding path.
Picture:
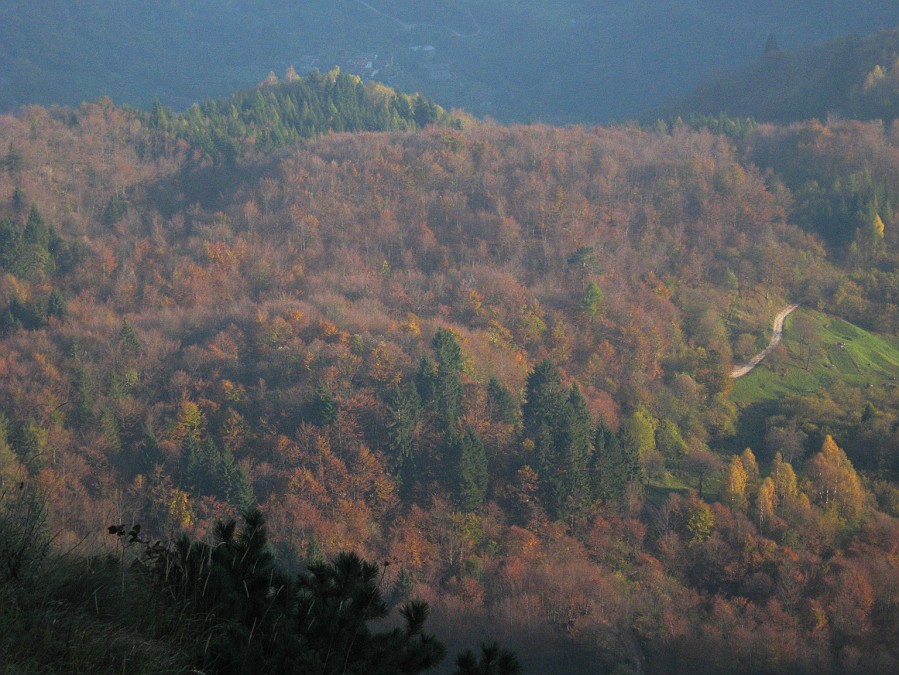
(740, 371)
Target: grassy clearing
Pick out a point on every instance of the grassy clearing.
(658, 489)
(818, 350)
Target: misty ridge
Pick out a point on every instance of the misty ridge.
(570, 61)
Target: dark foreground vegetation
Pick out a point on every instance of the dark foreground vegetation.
(495, 358)
(223, 606)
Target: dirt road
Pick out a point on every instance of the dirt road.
(740, 371)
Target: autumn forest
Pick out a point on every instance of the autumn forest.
(494, 361)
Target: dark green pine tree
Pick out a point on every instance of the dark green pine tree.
(18, 199)
(14, 161)
(615, 466)
(8, 321)
(150, 454)
(83, 399)
(34, 257)
(159, 116)
(110, 427)
(558, 423)
(449, 398)
(426, 380)
(467, 456)
(235, 484)
(115, 209)
(36, 230)
(425, 111)
(261, 621)
(26, 439)
(545, 457)
(403, 415)
(198, 460)
(208, 469)
(544, 399)
(30, 315)
(321, 409)
(234, 584)
(56, 304)
(501, 405)
(447, 351)
(494, 661)
(129, 341)
(10, 244)
(449, 392)
(335, 602)
(574, 454)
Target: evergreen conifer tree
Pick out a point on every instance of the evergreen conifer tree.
(615, 465)
(470, 461)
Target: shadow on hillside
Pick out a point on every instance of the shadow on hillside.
(212, 186)
(750, 429)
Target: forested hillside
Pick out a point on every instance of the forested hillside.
(851, 77)
(496, 358)
(280, 113)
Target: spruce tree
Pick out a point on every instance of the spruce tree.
(574, 454)
(469, 461)
(36, 230)
(501, 405)
(321, 409)
(56, 304)
(559, 425)
(615, 465)
(544, 398)
(426, 380)
(403, 415)
(10, 244)
(128, 339)
(447, 350)
(448, 383)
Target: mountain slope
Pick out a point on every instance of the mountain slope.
(851, 77)
(466, 351)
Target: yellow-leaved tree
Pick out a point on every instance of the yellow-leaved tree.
(786, 487)
(833, 483)
(766, 503)
(734, 488)
(877, 227)
(750, 466)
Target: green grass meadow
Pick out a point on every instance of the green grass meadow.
(818, 350)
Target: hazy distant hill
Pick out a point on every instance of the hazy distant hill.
(561, 61)
(851, 77)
